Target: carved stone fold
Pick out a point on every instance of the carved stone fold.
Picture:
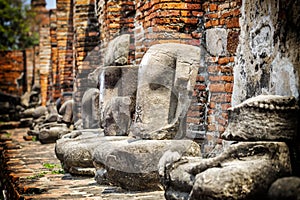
(244, 171)
(133, 164)
(75, 150)
(265, 117)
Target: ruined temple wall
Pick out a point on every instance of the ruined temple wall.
(166, 21)
(268, 54)
(54, 78)
(116, 18)
(44, 57)
(64, 35)
(267, 60)
(36, 70)
(19, 70)
(220, 39)
(211, 25)
(12, 65)
(86, 48)
(29, 68)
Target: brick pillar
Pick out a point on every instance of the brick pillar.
(36, 70)
(86, 49)
(116, 18)
(64, 14)
(45, 55)
(29, 68)
(12, 72)
(166, 21)
(54, 70)
(221, 36)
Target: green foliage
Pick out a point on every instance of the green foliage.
(38, 175)
(57, 171)
(34, 139)
(8, 135)
(53, 169)
(51, 166)
(15, 25)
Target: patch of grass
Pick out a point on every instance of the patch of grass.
(55, 168)
(38, 175)
(7, 135)
(34, 139)
(57, 171)
(51, 166)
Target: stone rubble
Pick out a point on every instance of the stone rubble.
(132, 161)
(26, 168)
(244, 170)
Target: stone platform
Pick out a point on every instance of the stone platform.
(30, 170)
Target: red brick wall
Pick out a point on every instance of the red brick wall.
(11, 72)
(36, 69)
(221, 22)
(64, 35)
(116, 18)
(164, 21)
(54, 78)
(29, 68)
(77, 36)
(45, 58)
(212, 24)
(86, 49)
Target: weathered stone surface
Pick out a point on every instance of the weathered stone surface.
(117, 51)
(133, 164)
(52, 134)
(52, 115)
(83, 171)
(66, 110)
(27, 113)
(117, 81)
(267, 56)
(244, 171)
(216, 40)
(65, 96)
(31, 99)
(26, 122)
(265, 117)
(180, 181)
(167, 76)
(72, 139)
(75, 149)
(287, 188)
(24, 175)
(90, 111)
(117, 116)
(25, 99)
(118, 85)
(39, 111)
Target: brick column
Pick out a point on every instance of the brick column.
(12, 72)
(86, 49)
(116, 18)
(36, 70)
(54, 70)
(64, 14)
(166, 21)
(45, 55)
(29, 68)
(221, 36)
